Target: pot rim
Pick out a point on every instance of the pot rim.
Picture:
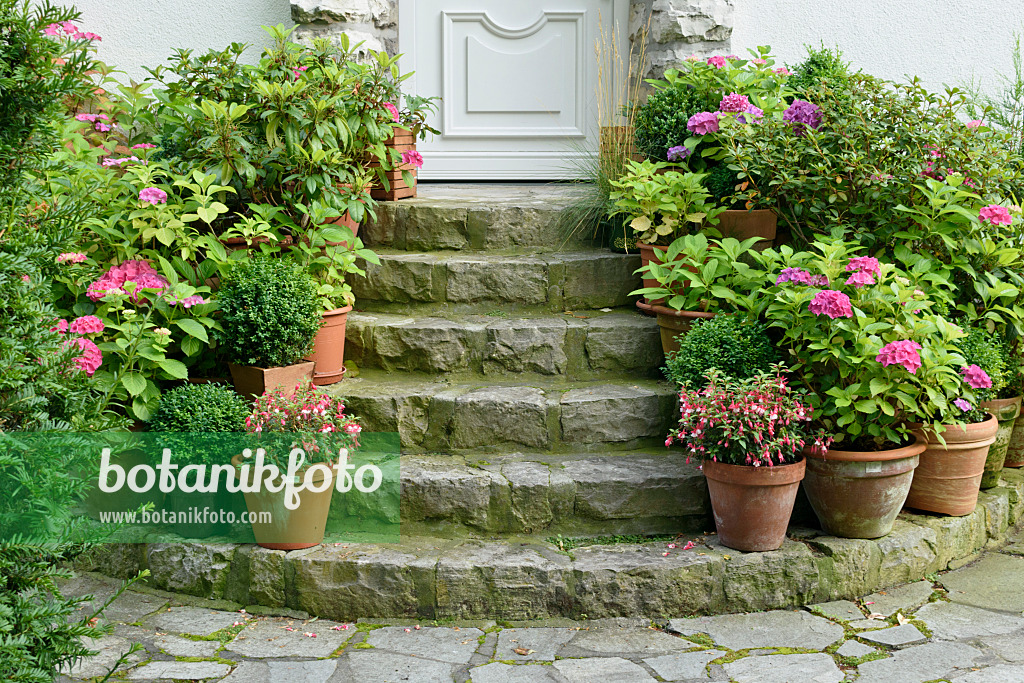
(672, 313)
(1000, 402)
(901, 453)
(276, 367)
(236, 462)
(773, 475)
(337, 311)
(975, 431)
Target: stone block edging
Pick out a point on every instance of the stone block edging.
(526, 578)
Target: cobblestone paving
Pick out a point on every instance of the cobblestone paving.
(965, 627)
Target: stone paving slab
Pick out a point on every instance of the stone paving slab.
(110, 649)
(900, 599)
(545, 643)
(867, 624)
(289, 638)
(994, 582)
(688, 666)
(819, 668)
(498, 672)
(1007, 673)
(183, 647)
(920, 663)
(452, 645)
(192, 620)
(623, 642)
(1009, 647)
(155, 671)
(319, 671)
(763, 629)
(896, 636)
(839, 610)
(388, 667)
(852, 648)
(951, 621)
(602, 669)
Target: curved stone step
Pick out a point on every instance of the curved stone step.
(529, 578)
(474, 216)
(439, 416)
(484, 281)
(578, 346)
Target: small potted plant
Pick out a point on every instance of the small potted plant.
(749, 435)
(397, 173)
(270, 314)
(198, 422)
(309, 419)
(698, 279)
(734, 345)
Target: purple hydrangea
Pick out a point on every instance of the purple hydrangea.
(703, 123)
(962, 404)
(801, 276)
(678, 153)
(755, 114)
(803, 115)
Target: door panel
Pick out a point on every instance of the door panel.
(518, 82)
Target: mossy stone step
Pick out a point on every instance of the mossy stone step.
(529, 578)
(552, 281)
(584, 345)
(544, 416)
(474, 216)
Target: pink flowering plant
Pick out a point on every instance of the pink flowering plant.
(760, 421)
(317, 420)
(864, 339)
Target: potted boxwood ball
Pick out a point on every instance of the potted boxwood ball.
(270, 314)
(198, 423)
(749, 433)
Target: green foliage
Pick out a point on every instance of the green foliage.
(270, 313)
(988, 351)
(721, 182)
(822, 66)
(731, 344)
(203, 408)
(1005, 110)
(661, 120)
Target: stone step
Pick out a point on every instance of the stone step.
(530, 578)
(639, 492)
(543, 415)
(485, 282)
(582, 345)
(475, 216)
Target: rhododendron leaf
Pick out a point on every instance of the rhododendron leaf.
(134, 383)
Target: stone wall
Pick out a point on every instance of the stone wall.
(372, 22)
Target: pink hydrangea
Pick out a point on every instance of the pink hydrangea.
(860, 279)
(962, 404)
(974, 124)
(976, 378)
(71, 257)
(153, 195)
(782, 71)
(904, 352)
(411, 156)
(91, 357)
(113, 281)
(144, 145)
(717, 61)
(703, 123)
(995, 215)
(61, 327)
(758, 61)
(864, 264)
(831, 303)
(393, 110)
(187, 302)
(801, 276)
(87, 324)
(734, 103)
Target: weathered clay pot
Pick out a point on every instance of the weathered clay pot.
(251, 381)
(743, 225)
(1015, 451)
(329, 348)
(948, 476)
(287, 529)
(752, 505)
(1006, 411)
(401, 141)
(673, 323)
(858, 494)
(650, 253)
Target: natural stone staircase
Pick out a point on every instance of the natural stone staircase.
(512, 362)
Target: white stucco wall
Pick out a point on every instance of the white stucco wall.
(942, 41)
(139, 33)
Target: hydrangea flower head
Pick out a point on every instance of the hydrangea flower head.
(61, 327)
(411, 156)
(754, 114)
(801, 276)
(678, 153)
(71, 257)
(864, 264)
(974, 124)
(831, 303)
(187, 302)
(153, 195)
(717, 61)
(703, 123)
(734, 103)
(976, 378)
(87, 324)
(962, 404)
(860, 279)
(994, 214)
(144, 145)
(803, 115)
(139, 272)
(91, 357)
(759, 61)
(904, 352)
(782, 71)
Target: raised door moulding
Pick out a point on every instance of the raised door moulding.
(494, 95)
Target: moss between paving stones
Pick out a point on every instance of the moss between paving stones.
(525, 579)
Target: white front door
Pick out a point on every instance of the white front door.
(518, 81)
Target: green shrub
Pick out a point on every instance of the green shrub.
(735, 346)
(200, 408)
(270, 313)
(823, 66)
(721, 182)
(989, 352)
(661, 120)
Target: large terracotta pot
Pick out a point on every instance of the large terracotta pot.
(329, 348)
(1015, 451)
(1006, 411)
(949, 476)
(673, 323)
(287, 529)
(650, 253)
(858, 494)
(752, 505)
(251, 381)
(743, 225)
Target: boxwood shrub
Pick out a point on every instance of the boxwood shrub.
(735, 346)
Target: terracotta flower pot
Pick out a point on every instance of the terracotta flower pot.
(1015, 451)
(403, 140)
(752, 505)
(949, 476)
(650, 253)
(329, 348)
(302, 527)
(673, 323)
(743, 225)
(1006, 411)
(251, 381)
(858, 494)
